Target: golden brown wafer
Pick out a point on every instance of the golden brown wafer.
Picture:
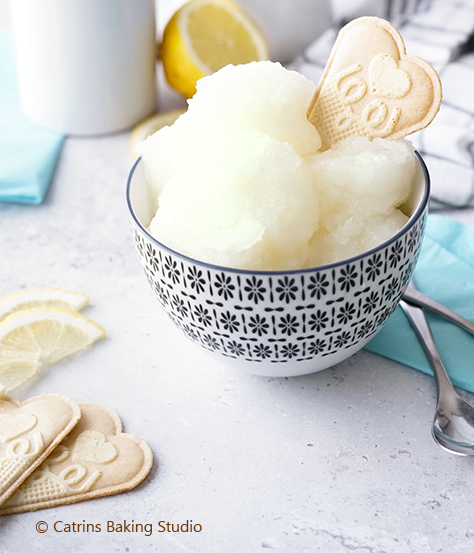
(371, 88)
(95, 459)
(29, 431)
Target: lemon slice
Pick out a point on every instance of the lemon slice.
(35, 338)
(152, 124)
(204, 36)
(43, 297)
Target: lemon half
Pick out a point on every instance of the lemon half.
(204, 36)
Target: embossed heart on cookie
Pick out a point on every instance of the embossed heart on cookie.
(94, 460)
(372, 88)
(386, 79)
(29, 431)
(93, 446)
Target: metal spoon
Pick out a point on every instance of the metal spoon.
(413, 296)
(453, 423)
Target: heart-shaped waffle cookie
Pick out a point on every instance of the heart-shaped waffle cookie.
(29, 431)
(95, 459)
(371, 88)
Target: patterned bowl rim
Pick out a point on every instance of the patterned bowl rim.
(410, 223)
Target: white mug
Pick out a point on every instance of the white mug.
(85, 67)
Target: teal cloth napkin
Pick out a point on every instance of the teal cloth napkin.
(28, 154)
(445, 272)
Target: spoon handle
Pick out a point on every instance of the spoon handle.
(420, 324)
(414, 297)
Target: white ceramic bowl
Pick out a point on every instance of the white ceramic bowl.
(280, 323)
